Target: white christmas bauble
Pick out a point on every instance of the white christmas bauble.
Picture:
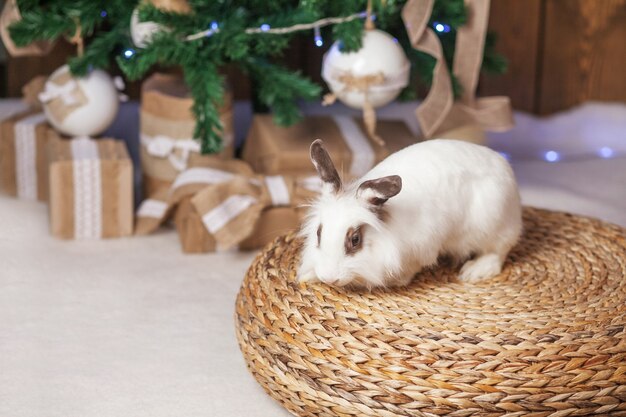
(380, 54)
(86, 113)
(142, 32)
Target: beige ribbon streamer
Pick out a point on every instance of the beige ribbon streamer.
(438, 112)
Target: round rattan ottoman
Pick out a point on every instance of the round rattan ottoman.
(545, 338)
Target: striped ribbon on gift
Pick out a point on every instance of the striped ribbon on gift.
(26, 155)
(87, 188)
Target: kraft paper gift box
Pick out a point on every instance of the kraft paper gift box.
(272, 223)
(251, 209)
(166, 131)
(23, 165)
(247, 212)
(272, 149)
(91, 189)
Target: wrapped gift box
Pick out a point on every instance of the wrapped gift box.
(272, 223)
(272, 149)
(166, 128)
(228, 205)
(23, 165)
(91, 189)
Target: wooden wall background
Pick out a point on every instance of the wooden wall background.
(560, 52)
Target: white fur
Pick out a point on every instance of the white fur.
(457, 198)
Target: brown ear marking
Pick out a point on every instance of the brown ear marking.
(380, 212)
(381, 189)
(324, 165)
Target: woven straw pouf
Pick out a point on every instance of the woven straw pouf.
(545, 338)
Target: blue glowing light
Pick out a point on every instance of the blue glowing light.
(214, 26)
(318, 36)
(441, 27)
(129, 53)
(505, 155)
(103, 13)
(552, 156)
(265, 27)
(606, 152)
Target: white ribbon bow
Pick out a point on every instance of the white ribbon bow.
(165, 147)
(53, 90)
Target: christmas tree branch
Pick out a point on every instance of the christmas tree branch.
(280, 88)
(248, 33)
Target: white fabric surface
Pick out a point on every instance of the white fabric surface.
(132, 327)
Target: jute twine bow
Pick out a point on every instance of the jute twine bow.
(229, 198)
(361, 84)
(62, 95)
(439, 112)
(162, 146)
(64, 92)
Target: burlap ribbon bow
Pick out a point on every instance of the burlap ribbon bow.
(439, 112)
(230, 210)
(229, 199)
(62, 94)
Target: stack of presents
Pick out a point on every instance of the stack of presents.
(215, 202)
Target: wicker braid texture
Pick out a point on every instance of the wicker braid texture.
(545, 338)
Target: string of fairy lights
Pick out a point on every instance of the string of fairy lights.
(318, 40)
(550, 155)
(553, 156)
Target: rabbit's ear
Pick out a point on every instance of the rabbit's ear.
(325, 167)
(377, 192)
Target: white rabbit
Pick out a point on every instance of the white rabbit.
(433, 198)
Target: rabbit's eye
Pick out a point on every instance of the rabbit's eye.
(354, 240)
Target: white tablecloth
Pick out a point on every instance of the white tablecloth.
(132, 327)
